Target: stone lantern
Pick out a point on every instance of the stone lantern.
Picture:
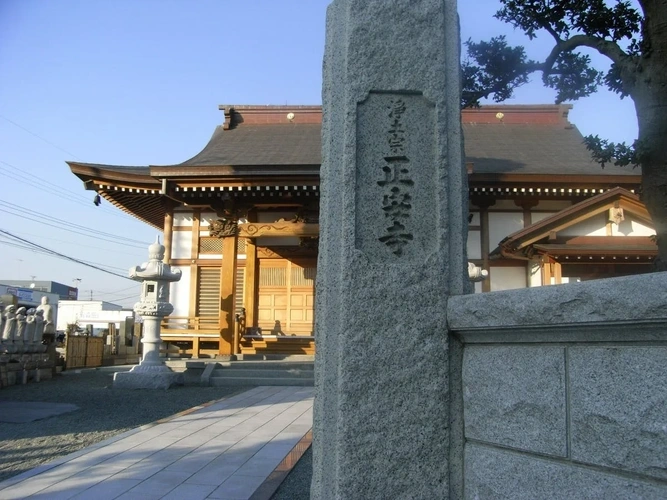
(153, 305)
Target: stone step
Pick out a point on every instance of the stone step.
(262, 373)
(243, 381)
(266, 365)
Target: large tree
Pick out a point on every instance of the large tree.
(634, 39)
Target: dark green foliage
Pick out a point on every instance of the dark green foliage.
(605, 152)
(494, 69)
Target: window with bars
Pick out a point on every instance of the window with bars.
(212, 245)
(208, 293)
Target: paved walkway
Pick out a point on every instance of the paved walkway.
(224, 450)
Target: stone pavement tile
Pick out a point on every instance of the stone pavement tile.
(156, 486)
(190, 492)
(237, 488)
(108, 489)
(274, 450)
(70, 487)
(258, 466)
(213, 475)
(195, 461)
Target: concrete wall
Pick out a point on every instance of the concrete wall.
(564, 390)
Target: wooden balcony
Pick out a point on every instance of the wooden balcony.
(199, 336)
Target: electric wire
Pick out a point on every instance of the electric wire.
(70, 242)
(59, 191)
(63, 256)
(50, 253)
(40, 137)
(25, 213)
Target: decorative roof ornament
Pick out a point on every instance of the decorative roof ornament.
(223, 228)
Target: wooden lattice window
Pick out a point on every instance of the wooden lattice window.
(273, 276)
(240, 282)
(303, 276)
(210, 245)
(208, 295)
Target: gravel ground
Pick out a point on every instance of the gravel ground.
(297, 484)
(103, 412)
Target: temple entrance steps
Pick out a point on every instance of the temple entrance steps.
(288, 371)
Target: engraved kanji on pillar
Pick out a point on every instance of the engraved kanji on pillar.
(397, 184)
(395, 176)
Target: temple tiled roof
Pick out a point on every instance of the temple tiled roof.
(526, 140)
(262, 144)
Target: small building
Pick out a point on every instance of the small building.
(64, 292)
(96, 313)
(241, 218)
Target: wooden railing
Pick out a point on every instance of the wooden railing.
(194, 324)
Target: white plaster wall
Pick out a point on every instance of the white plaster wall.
(274, 216)
(182, 218)
(179, 293)
(475, 218)
(630, 227)
(181, 244)
(502, 224)
(535, 278)
(508, 205)
(206, 217)
(507, 278)
(595, 226)
(536, 217)
(555, 205)
(474, 244)
(210, 256)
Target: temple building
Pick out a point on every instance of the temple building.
(240, 218)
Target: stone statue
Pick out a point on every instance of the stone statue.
(2, 318)
(39, 327)
(29, 337)
(49, 325)
(9, 329)
(21, 325)
(476, 273)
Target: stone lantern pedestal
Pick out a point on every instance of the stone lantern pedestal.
(155, 275)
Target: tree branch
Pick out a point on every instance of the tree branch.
(604, 47)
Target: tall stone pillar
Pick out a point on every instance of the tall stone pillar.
(393, 225)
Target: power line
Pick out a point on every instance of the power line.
(70, 242)
(88, 231)
(50, 252)
(58, 191)
(40, 137)
(66, 257)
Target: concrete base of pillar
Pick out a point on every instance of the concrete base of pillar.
(155, 378)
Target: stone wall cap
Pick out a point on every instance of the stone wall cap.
(629, 298)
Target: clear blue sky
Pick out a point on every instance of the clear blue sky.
(132, 82)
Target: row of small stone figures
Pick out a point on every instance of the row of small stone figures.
(21, 327)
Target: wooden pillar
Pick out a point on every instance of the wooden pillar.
(558, 273)
(194, 270)
(251, 281)
(227, 285)
(546, 270)
(484, 205)
(168, 234)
